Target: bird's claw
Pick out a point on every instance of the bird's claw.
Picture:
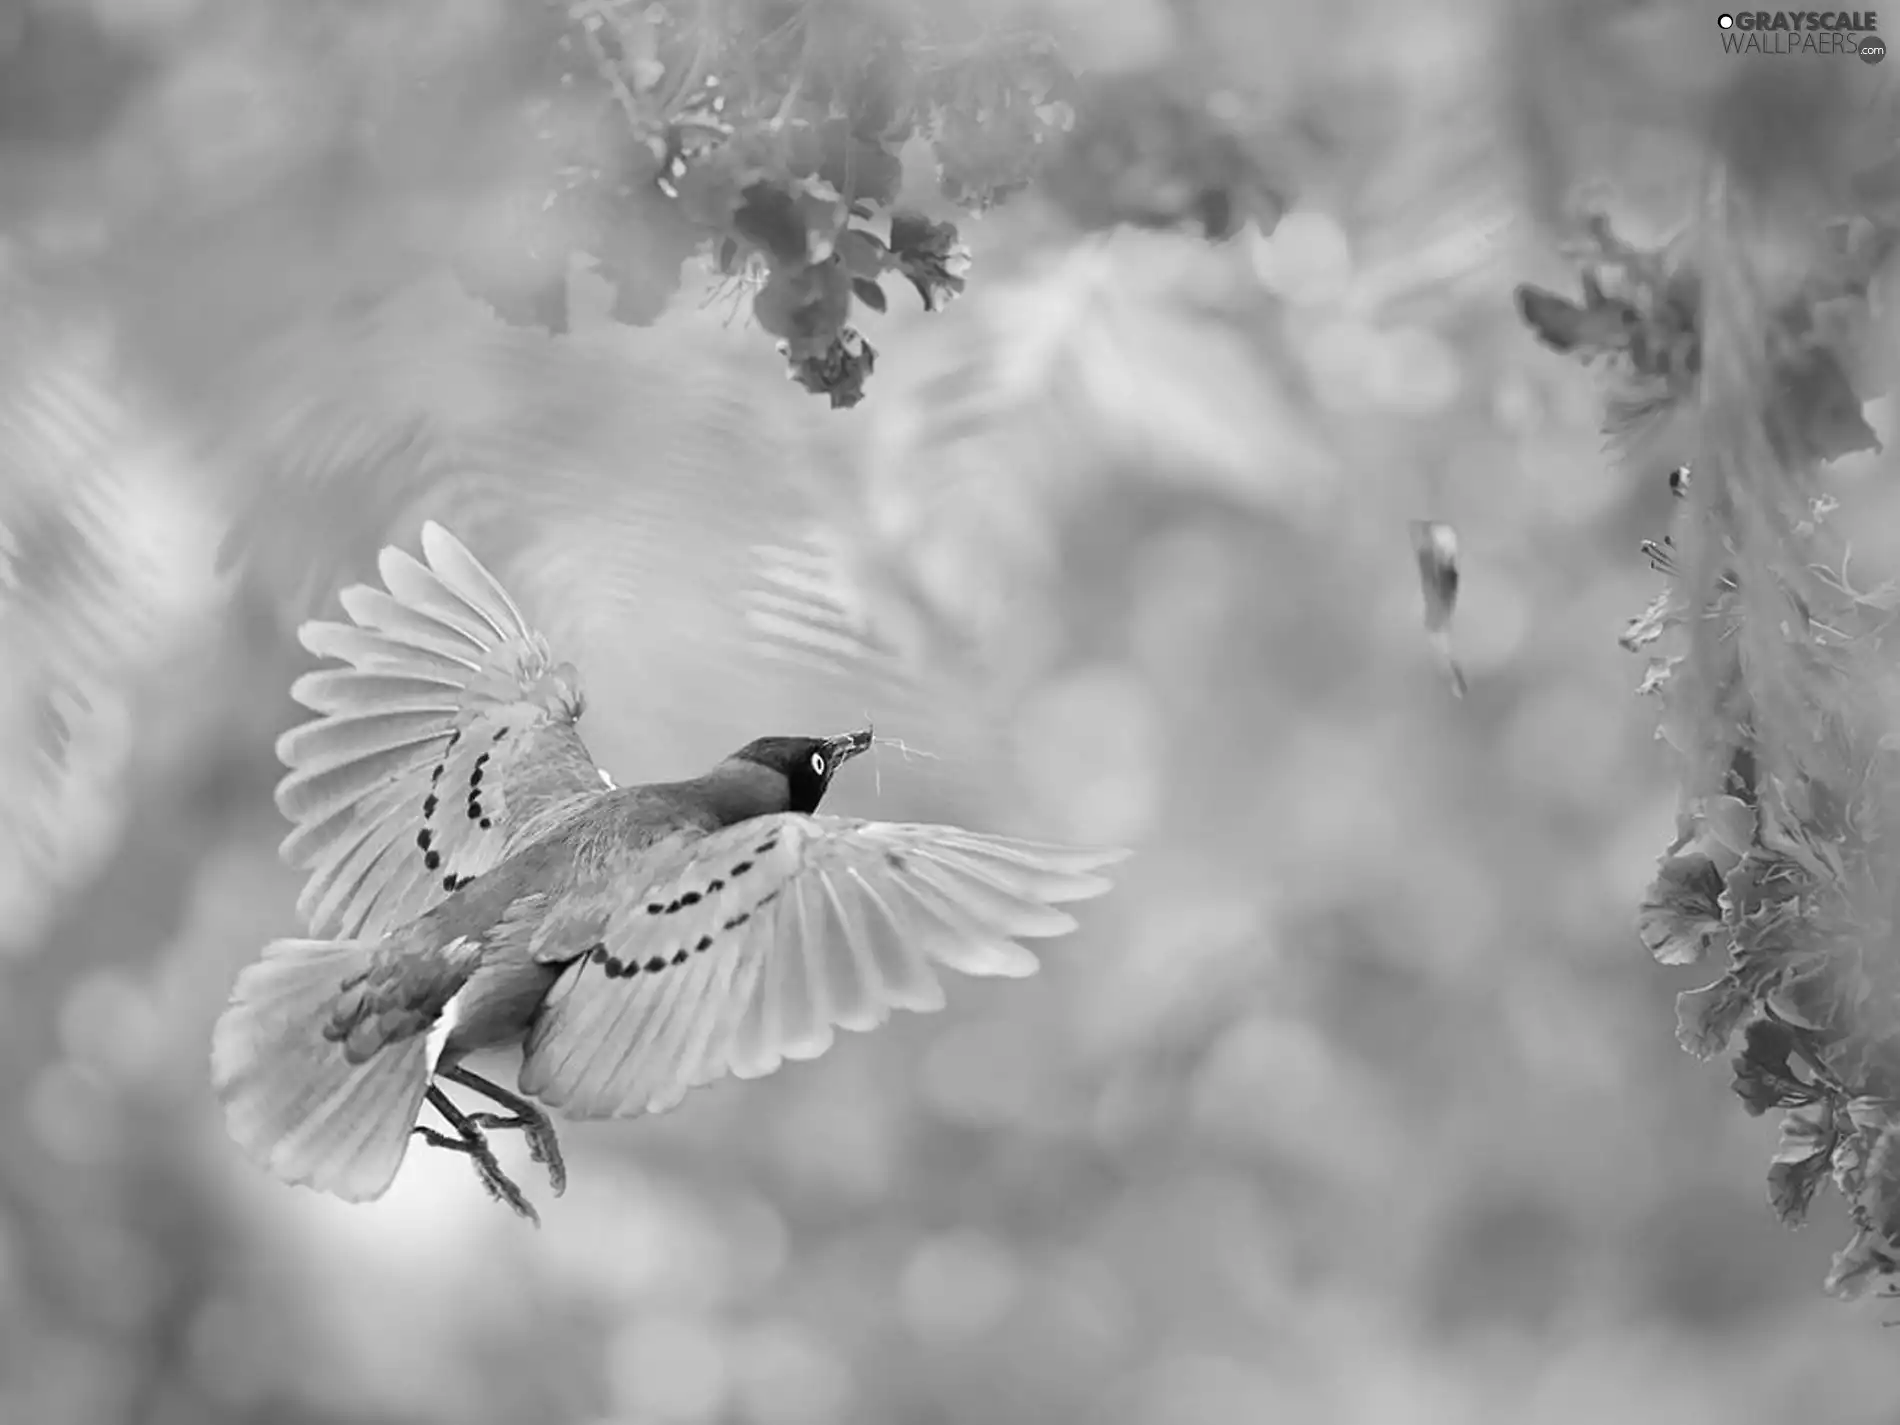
(500, 1186)
(543, 1146)
(535, 1126)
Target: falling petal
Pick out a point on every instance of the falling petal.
(1436, 546)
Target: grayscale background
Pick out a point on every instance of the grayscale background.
(1358, 1101)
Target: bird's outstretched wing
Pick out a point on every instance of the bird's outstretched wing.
(447, 737)
(749, 947)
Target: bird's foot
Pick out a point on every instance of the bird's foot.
(543, 1146)
(500, 1186)
(469, 1139)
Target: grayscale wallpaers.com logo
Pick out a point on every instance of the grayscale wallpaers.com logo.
(1803, 32)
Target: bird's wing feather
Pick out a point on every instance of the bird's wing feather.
(446, 738)
(750, 946)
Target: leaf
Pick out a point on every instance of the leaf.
(864, 253)
(769, 217)
(1563, 325)
(1680, 919)
(1805, 1131)
(1773, 938)
(1824, 990)
(806, 306)
(1706, 1019)
(1763, 1077)
(1725, 831)
(1802, 1161)
(715, 185)
(792, 222)
(869, 293)
(1791, 1186)
(1817, 415)
(1858, 1266)
(859, 169)
(640, 251)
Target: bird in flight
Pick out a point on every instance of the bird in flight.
(477, 881)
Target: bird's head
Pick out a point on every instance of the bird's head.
(806, 763)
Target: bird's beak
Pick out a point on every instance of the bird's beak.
(841, 749)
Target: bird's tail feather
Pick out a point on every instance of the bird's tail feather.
(293, 1100)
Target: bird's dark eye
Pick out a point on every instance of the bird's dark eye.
(818, 763)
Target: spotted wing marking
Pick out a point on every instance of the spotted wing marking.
(445, 736)
(753, 945)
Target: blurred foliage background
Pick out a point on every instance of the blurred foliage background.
(1358, 1102)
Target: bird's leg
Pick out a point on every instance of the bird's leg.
(535, 1125)
(471, 1141)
